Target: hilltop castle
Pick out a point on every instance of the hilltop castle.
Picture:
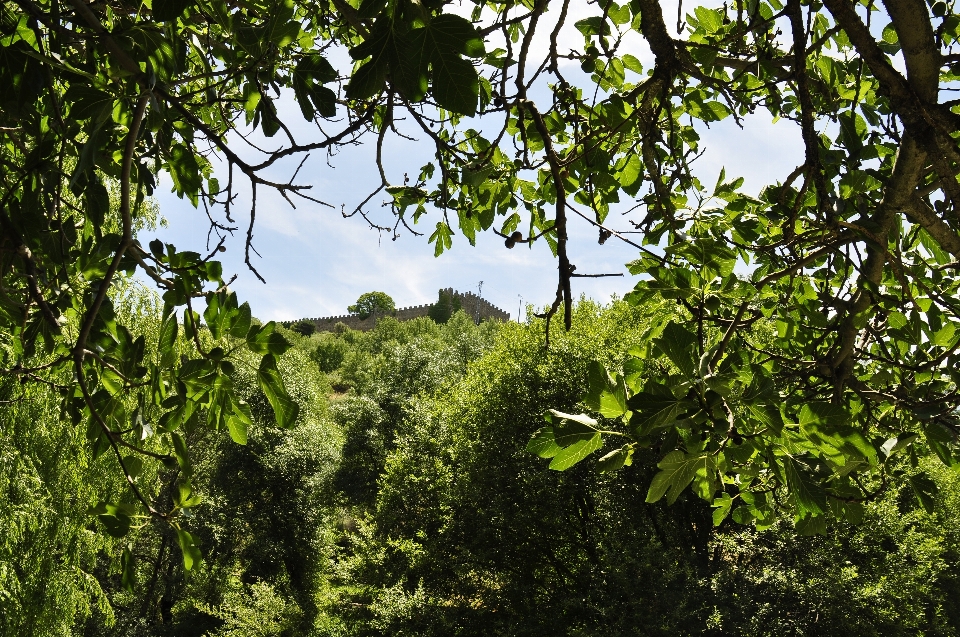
(469, 302)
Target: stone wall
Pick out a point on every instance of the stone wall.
(470, 303)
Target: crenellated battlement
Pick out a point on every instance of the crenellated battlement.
(470, 303)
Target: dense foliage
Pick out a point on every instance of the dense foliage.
(446, 306)
(468, 535)
(373, 303)
(804, 377)
(61, 574)
(851, 256)
(402, 502)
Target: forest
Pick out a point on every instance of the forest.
(402, 501)
(760, 436)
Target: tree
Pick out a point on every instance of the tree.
(372, 304)
(463, 505)
(851, 258)
(97, 102)
(446, 306)
(467, 533)
(304, 328)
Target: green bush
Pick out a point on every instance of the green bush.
(329, 353)
(469, 534)
(893, 575)
(446, 306)
(304, 328)
(409, 506)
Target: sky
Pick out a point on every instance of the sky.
(316, 262)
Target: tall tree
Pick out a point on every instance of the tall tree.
(851, 256)
(373, 303)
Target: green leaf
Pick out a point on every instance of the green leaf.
(678, 343)
(572, 430)
(741, 515)
(672, 283)
(582, 419)
(198, 376)
(213, 316)
(238, 420)
(893, 445)
(166, 10)
(925, 489)
(811, 524)
(854, 444)
(616, 459)
(283, 32)
(442, 237)
(188, 546)
(633, 369)
(574, 453)
(251, 101)
(240, 322)
(456, 85)
(763, 402)
(631, 62)
(267, 115)
(677, 471)
(804, 492)
(890, 34)
(543, 443)
(823, 413)
(308, 76)
(594, 25)
(455, 33)
(167, 343)
(631, 173)
(115, 518)
(214, 271)
(606, 396)
(713, 258)
(367, 81)
(184, 171)
(271, 383)
(709, 19)
(852, 512)
(88, 102)
(370, 8)
(133, 464)
(98, 202)
(655, 408)
(97, 135)
(721, 508)
(619, 15)
(944, 337)
(569, 442)
(181, 452)
(184, 497)
(266, 339)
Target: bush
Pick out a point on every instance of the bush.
(469, 534)
(446, 306)
(329, 354)
(304, 328)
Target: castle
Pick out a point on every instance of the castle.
(470, 303)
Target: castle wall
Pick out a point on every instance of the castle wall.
(470, 303)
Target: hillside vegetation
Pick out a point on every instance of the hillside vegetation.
(403, 502)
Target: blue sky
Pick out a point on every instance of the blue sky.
(316, 263)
